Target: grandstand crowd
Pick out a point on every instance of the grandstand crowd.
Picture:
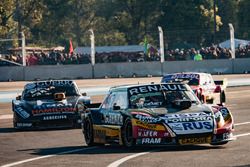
(60, 58)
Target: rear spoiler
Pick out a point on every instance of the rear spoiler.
(223, 83)
(93, 105)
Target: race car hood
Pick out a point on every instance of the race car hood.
(44, 107)
(196, 119)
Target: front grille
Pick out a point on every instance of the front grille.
(54, 123)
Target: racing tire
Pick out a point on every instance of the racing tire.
(14, 121)
(127, 134)
(222, 97)
(88, 132)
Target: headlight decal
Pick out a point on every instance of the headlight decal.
(22, 112)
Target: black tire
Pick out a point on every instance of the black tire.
(222, 97)
(127, 134)
(88, 132)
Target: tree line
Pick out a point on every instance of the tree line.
(186, 23)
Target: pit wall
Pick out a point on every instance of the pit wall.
(139, 69)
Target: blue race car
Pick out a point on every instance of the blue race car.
(49, 104)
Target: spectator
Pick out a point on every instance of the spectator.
(198, 56)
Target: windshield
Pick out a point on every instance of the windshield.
(39, 93)
(193, 81)
(160, 98)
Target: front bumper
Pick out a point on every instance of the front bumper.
(44, 122)
(193, 139)
(223, 138)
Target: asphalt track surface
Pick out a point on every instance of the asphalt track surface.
(66, 147)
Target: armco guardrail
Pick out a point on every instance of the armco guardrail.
(225, 66)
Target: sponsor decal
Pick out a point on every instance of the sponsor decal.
(113, 118)
(147, 133)
(192, 127)
(184, 115)
(24, 124)
(145, 125)
(153, 104)
(195, 140)
(40, 103)
(49, 83)
(176, 127)
(141, 132)
(54, 117)
(148, 119)
(54, 110)
(197, 125)
(150, 140)
(224, 112)
(101, 132)
(185, 76)
(156, 88)
(22, 112)
(98, 133)
(51, 105)
(188, 119)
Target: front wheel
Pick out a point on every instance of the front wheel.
(127, 134)
(88, 132)
(14, 121)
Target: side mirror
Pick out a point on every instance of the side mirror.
(185, 104)
(116, 107)
(59, 96)
(18, 97)
(182, 104)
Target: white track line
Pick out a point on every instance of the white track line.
(242, 135)
(6, 116)
(243, 123)
(124, 159)
(46, 156)
(114, 164)
(120, 161)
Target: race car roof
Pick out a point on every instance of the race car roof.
(50, 83)
(126, 87)
(196, 73)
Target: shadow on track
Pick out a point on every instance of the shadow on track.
(116, 149)
(13, 130)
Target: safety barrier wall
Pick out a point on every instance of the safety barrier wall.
(128, 69)
(122, 69)
(241, 65)
(11, 73)
(210, 66)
